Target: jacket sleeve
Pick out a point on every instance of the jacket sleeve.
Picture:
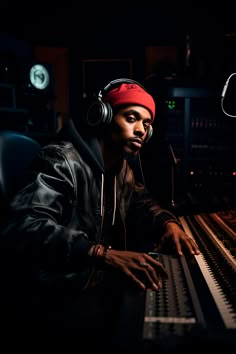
(40, 225)
(146, 213)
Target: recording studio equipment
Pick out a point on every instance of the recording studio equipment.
(27, 97)
(196, 306)
(203, 140)
(199, 299)
(173, 164)
(228, 96)
(101, 113)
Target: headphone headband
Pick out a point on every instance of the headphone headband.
(101, 113)
(112, 84)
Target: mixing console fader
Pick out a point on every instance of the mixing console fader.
(196, 307)
(175, 309)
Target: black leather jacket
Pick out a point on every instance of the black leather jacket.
(57, 217)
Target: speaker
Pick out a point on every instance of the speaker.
(101, 113)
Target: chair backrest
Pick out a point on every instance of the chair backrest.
(17, 151)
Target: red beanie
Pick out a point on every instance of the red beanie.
(127, 94)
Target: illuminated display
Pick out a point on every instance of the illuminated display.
(171, 104)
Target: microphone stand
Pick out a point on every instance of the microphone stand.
(174, 162)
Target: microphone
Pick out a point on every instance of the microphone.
(223, 96)
(224, 88)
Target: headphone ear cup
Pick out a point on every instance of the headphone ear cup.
(149, 133)
(99, 113)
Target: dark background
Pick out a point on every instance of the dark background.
(70, 23)
(123, 29)
(92, 43)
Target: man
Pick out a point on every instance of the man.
(70, 224)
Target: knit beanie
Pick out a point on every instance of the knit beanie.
(130, 93)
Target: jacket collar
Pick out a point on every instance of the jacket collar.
(88, 147)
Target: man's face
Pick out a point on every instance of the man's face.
(129, 129)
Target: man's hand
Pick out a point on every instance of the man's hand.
(141, 268)
(174, 239)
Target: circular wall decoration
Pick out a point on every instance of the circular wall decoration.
(39, 77)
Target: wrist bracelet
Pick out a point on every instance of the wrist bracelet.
(105, 250)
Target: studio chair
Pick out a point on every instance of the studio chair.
(17, 151)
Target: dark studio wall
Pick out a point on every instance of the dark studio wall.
(98, 31)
